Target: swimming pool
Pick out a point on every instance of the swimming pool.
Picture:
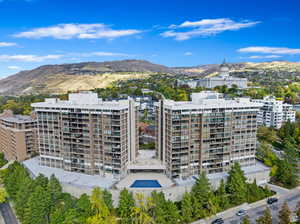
(146, 184)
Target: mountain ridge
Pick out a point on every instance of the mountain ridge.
(60, 78)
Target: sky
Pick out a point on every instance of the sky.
(168, 32)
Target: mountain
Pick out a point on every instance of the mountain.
(79, 76)
(90, 75)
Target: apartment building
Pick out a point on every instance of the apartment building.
(87, 135)
(18, 136)
(274, 112)
(207, 134)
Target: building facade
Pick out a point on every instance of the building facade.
(274, 112)
(87, 135)
(18, 136)
(207, 134)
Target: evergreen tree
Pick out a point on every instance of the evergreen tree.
(22, 197)
(107, 196)
(236, 185)
(266, 218)
(222, 197)
(38, 209)
(285, 214)
(84, 206)
(55, 189)
(201, 191)
(126, 203)
(42, 181)
(187, 208)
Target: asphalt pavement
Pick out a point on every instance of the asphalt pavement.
(8, 214)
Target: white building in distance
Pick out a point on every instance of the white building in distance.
(274, 112)
(222, 79)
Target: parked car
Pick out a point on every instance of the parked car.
(218, 221)
(272, 200)
(241, 212)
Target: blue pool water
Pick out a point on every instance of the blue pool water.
(146, 184)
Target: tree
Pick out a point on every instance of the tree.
(38, 207)
(266, 218)
(107, 197)
(222, 196)
(246, 220)
(55, 189)
(101, 213)
(236, 185)
(187, 208)
(140, 213)
(3, 195)
(285, 214)
(126, 203)
(298, 212)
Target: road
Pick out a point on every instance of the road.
(291, 198)
(8, 214)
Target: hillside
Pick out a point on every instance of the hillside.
(90, 75)
(264, 73)
(79, 76)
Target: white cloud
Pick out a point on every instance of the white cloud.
(80, 31)
(188, 53)
(270, 50)
(29, 57)
(7, 44)
(206, 27)
(264, 56)
(12, 67)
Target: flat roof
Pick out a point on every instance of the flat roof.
(18, 119)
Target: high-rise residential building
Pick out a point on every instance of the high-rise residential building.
(274, 112)
(85, 134)
(207, 134)
(18, 136)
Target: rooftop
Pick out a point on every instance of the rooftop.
(20, 119)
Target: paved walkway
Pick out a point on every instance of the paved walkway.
(8, 214)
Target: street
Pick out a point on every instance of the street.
(7, 213)
(291, 198)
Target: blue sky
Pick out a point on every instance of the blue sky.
(168, 32)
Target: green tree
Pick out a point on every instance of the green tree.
(101, 213)
(3, 195)
(107, 197)
(187, 208)
(38, 207)
(55, 189)
(236, 185)
(285, 214)
(266, 218)
(222, 196)
(246, 220)
(126, 203)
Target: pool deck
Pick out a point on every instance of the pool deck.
(163, 180)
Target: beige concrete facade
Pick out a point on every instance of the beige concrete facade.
(205, 134)
(88, 135)
(18, 136)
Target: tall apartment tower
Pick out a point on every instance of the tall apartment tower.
(87, 135)
(274, 112)
(207, 134)
(18, 136)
